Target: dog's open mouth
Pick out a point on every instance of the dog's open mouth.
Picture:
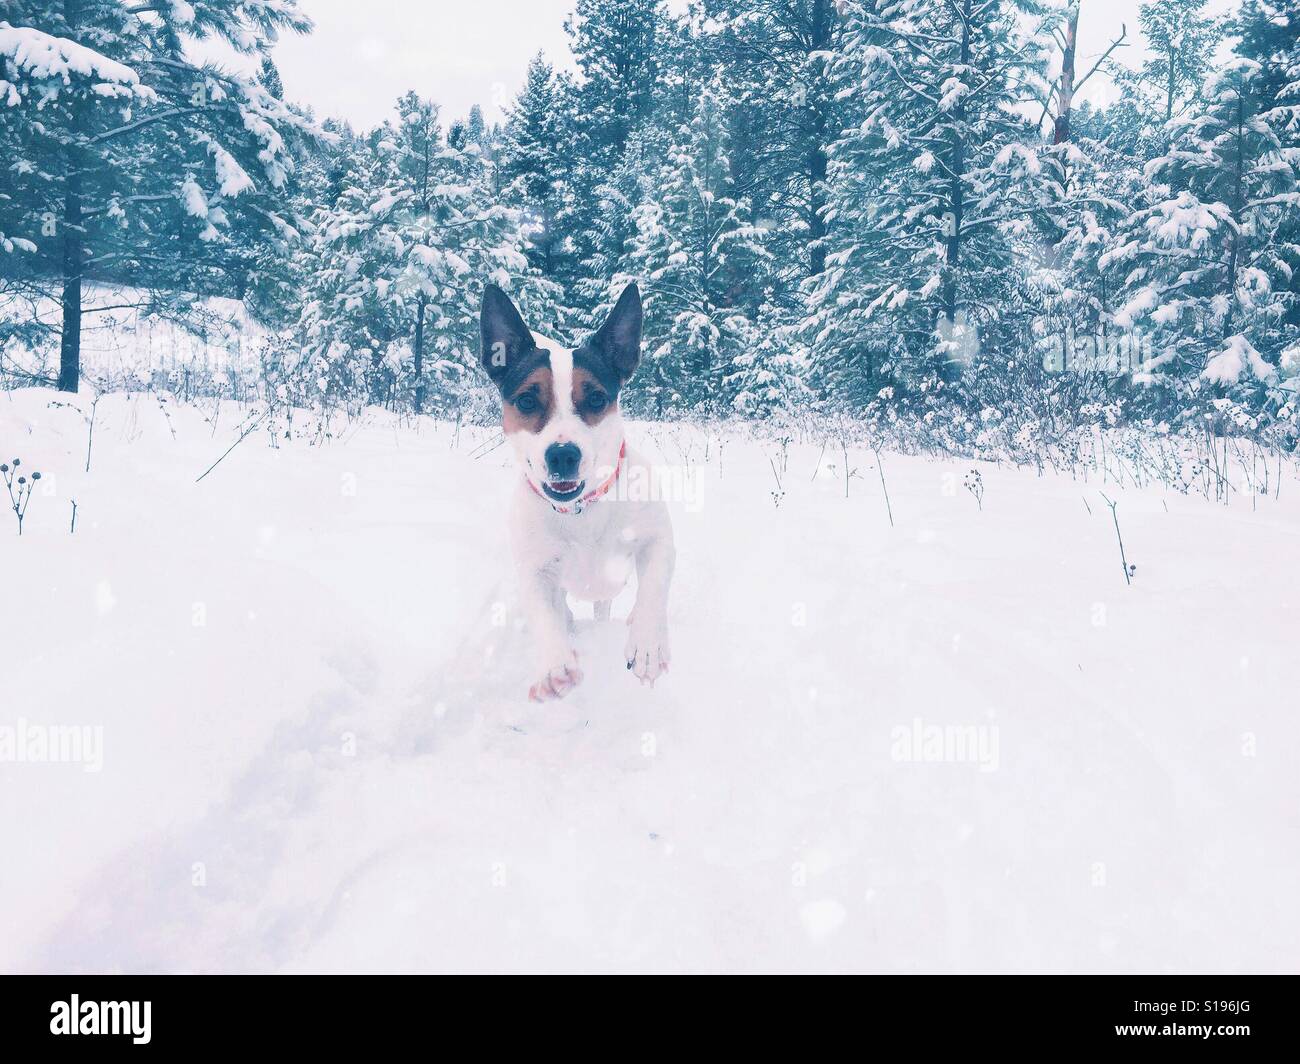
(563, 490)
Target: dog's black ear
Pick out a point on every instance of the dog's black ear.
(504, 335)
(619, 339)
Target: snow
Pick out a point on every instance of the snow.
(46, 57)
(954, 90)
(1018, 158)
(956, 743)
(1144, 302)
(133, 344)
(232, 179)
(195, 202)
(1227, 366)
(1185, 221)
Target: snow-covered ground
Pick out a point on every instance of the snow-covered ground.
(317, 754)
(119, 341)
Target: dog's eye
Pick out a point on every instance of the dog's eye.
(527, 403)
(596, 402)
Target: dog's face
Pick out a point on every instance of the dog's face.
(559, 408)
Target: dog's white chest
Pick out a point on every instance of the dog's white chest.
(596, 571)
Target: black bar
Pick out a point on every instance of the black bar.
(339, 1013)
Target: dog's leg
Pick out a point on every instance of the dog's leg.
(556, 661)
(600, 610)
(561, 601)
(646, 651)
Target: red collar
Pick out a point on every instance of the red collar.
(591, 496)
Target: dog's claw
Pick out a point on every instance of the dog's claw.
(557, 682)
(647, 652)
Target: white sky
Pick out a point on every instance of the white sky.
(365, 53)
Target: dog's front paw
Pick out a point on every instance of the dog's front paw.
(558, 681)
(646, 651)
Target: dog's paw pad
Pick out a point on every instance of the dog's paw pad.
(557, 682)
(646, 653)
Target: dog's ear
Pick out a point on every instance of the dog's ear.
(619, 339)
(504, 335)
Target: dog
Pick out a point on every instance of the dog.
(574, 531)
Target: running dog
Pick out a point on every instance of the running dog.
(574, 529)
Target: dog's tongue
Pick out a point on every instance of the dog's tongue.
(563, 487)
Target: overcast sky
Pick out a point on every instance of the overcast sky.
(365, 53)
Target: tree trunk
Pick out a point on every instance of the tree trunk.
(816, 203)
(820, 38)
(1238, 209)
(73, 234)
(73, 267)
(952, 366)
(419, 355)
(1064, 104)
(1065, 94)
(1169, 88)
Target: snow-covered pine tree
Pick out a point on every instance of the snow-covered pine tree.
(1182, 39)
(536, 164)
(141, 160)
(621, 48)
(769, 373)
(926, 189)
(1083, 199)
(784, 112)
(612, 230)
(1081, 195)
(702, 260)
(398, 264)
(476, 128)
(1201, 260)
(1270, 35)
(618, 46)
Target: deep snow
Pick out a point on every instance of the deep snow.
(317, 754)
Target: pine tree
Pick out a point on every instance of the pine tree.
(1182, 39)
(143, 161)
(1081, 202)
(1269, 32)
(398, 265)
(702, 260)
(1270, 35)
(1202, 260)
(535, 166)
(618, 48)
(927, 192)
(768, 375)
(785, 115)
(1079, 197)
(613, 228)
(621, 49)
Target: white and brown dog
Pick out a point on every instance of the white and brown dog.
(575, 529)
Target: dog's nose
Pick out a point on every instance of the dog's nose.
(562, 461)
